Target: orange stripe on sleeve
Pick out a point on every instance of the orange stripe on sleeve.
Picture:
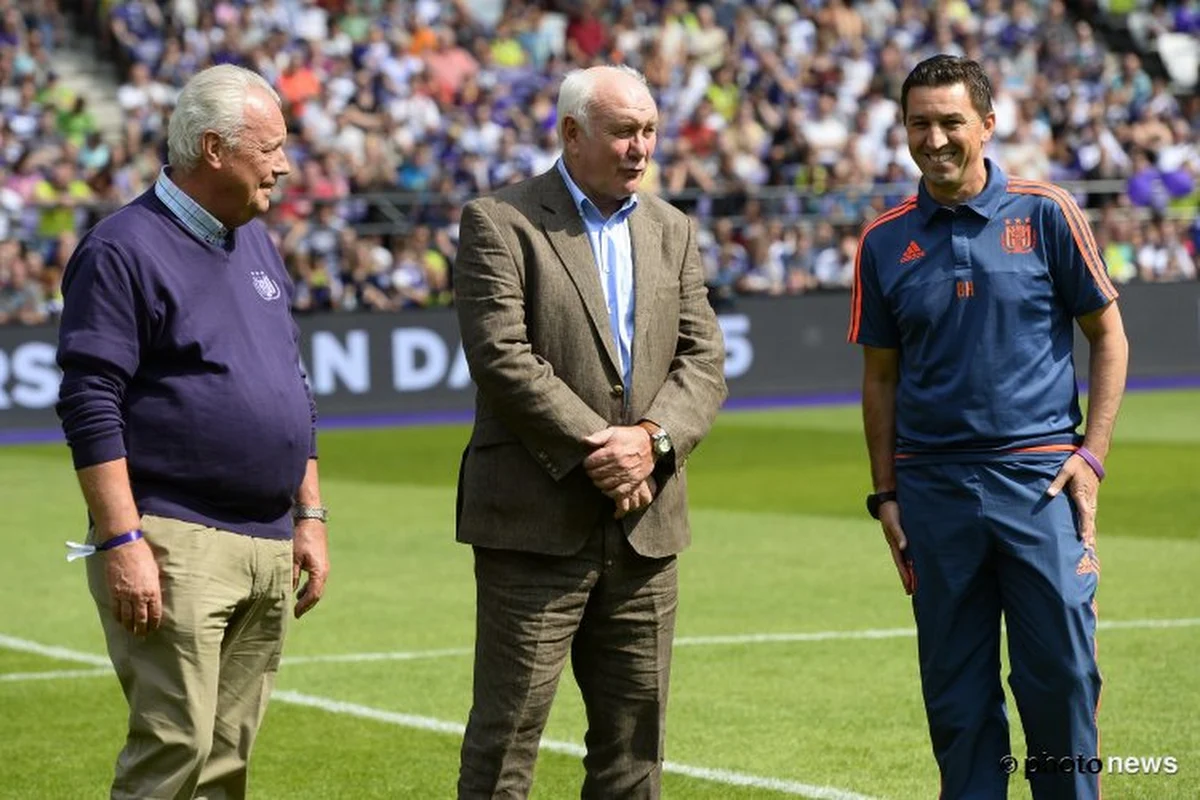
(856, 287)
(855, 303)
(1088, 243)
(1081, 232)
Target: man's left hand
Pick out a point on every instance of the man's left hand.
(310, 554)
(640, 498)
(1083, 486)
(621, 460)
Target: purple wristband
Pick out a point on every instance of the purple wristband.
(1091, 460)
(120, 539)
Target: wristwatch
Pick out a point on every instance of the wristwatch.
(874, 501)
(660, 443)
(319, 513)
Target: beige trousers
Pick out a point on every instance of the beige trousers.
(198, 687)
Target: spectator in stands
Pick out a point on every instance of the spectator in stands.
(22, 299)
(707, 41)
(586, 34)
(1181, 263)
(61, 198)
(448, 66)
(298, 83)
(1114, 239)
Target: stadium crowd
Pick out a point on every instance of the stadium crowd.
(781, 130)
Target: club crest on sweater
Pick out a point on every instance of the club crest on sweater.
(267, 289)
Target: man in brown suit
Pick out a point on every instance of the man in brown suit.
(598, 363)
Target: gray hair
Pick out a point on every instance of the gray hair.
(213, 99)
(575, 93)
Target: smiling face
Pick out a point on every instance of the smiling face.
(245, 175)
(610, 158)
(946, 135)
(258, 161)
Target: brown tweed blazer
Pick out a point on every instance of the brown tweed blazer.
(536, 335)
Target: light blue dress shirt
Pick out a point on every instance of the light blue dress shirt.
(204, 225)
(613, 251)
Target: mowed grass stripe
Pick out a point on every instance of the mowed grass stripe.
(1146, 416)
(721, 776)
(810, 715)
(445, 727)
(71, 755)
(395, 561)
(801, 461)
(747, 639)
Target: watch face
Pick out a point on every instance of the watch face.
(662, 445)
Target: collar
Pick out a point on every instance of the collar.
(986, 204)
(194, 216)
(587, 209)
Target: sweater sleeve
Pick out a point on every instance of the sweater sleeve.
(98, 351)
(289, 288)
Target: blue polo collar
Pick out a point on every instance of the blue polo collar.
(986, 204)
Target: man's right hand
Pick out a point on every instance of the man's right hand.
(621, 461)
(889, 518)
(134, 586)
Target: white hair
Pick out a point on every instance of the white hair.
(213, 99)
(578, 87)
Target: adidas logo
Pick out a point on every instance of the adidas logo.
(912, 253)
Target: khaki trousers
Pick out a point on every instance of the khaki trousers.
(198, 687)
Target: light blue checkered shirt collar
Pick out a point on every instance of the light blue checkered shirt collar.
(194, 216)
(583, 203)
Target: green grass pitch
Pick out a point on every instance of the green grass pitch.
(782, 547)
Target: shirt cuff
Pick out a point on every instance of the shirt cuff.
(98, 451)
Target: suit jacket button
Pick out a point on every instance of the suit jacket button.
(617, 390)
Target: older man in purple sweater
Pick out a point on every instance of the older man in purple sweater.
(193, 434)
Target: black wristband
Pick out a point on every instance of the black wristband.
(874, 501)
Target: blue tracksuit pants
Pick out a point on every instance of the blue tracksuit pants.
(985, 540)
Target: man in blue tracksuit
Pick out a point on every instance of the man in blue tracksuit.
(964, 300)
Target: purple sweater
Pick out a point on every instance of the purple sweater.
(182, 357)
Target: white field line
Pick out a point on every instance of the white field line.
(25, 646)
(705, 641)
(726, 777)
(53, 675)
(721, 776)
(61, 653)
(569, 748)
(775, 638)
(412, 655)
(1116, 624)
